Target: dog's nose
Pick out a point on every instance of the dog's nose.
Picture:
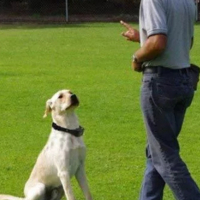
(74, 99)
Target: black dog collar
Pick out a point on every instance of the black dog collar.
(76, 132)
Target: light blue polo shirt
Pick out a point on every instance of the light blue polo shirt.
(175, 18)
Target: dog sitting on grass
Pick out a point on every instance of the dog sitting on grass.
(62, 157)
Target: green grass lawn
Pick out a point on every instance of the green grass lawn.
(92, 60)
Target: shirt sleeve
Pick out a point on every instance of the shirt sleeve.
(155, 17)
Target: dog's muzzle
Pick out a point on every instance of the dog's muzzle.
(74, 100)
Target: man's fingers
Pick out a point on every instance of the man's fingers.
(125, 24)
(127, 34)
(123, 34)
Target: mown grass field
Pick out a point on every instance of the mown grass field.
(92, 60)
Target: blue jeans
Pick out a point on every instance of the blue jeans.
(164, 100)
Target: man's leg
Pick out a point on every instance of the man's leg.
(158, 102)
(153, 184)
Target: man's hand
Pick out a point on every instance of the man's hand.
(131, 34)
(137, 66)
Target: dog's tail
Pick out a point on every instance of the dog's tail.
(9, 197)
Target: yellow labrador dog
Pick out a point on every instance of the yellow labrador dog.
(62, 157)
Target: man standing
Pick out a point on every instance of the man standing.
(165, 34)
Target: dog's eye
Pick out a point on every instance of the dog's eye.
(60, 96)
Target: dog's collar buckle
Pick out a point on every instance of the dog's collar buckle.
(75, 132)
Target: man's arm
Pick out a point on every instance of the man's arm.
(152, 48)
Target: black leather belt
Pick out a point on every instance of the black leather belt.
(159, 69)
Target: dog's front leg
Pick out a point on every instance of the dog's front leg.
(82, 180)
(65, 180)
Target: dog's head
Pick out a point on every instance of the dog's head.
(61, 102)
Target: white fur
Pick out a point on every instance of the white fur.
(61, 158)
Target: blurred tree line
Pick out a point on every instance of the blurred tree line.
(37, 5)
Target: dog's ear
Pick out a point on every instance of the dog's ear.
(48, 108)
